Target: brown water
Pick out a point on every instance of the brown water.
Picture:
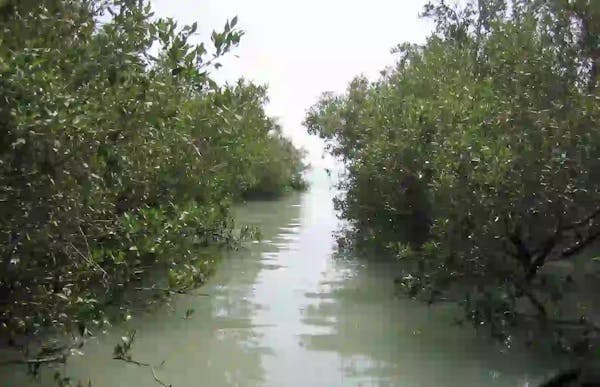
(285, 312)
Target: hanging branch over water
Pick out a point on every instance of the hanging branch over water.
(122, 352)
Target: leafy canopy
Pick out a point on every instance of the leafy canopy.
(476, 157)
(119, 158)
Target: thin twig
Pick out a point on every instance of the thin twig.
(152, 368)
(43, 360)
(89, 251)
(583, 221)
(166, 290)
(158, 380)
(126, 360)
(171, 291)
(196, 149)
(199, 294)
(90, 261)
(60, 355)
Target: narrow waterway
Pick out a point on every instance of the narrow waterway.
(286, 312)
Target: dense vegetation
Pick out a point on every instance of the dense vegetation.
(476, 158)
(119, 157)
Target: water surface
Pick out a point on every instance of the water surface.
(286, 312)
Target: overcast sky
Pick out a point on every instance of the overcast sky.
(303, 48)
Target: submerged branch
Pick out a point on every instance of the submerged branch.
(126, 360)
(62, 358)
(57, 354)
(172, 291)
(158, 380)
(141, 364)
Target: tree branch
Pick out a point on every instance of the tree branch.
(122, 353)
(57, 354)
(539, 306)
(523, 254)
(580, 245)
(158, 380)
(583, 221)
(543, 254)
(62, 358)
(140, 364)
(172, 291)
(126, 360)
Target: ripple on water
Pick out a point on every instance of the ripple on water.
(285, 312)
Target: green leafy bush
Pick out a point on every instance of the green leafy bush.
(119, 156)
(477, 155)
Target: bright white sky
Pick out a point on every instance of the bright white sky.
(303, 48)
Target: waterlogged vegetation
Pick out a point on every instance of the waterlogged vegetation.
(472, 176)
(474, 158)
(120, 159)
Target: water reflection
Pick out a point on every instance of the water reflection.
(283, 312)
(383, 340)
(220, 345)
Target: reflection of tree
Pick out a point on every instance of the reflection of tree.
(218, 345)
(382, 339)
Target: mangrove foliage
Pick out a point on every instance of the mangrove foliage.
(120, 158)
(476, 159)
